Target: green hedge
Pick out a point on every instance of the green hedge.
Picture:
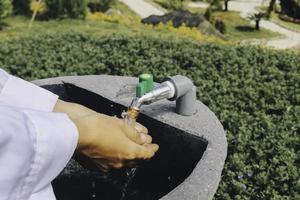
(55, 8)
(5, 9)
(65, 8)
(21, 7)
(254, 92)
(100, 5)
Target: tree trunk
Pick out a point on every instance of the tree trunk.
(257, 25)
(271, 6)
(226, 5)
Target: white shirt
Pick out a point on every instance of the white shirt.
(35, 143)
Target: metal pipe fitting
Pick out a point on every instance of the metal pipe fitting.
(179, 88)
(185, 94)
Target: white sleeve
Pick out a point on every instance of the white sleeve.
(34, 147)
(25, 95)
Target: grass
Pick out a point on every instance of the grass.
(99, 24)
(238, 28)
(241, 29)
(125, 10)
(17, 26)
(162, 3)
(289, 25)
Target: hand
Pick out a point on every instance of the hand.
(111, 143)
(108, 141)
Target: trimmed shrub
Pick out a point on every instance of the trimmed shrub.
(66, 8)
(291, 8)
(99, 5)
(5, 10)
(208, 13)
(21, 6)
(254, 92)
(216, 5)
(220, 26)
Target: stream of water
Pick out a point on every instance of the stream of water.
(130, 172)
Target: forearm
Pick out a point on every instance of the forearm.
(75, 111)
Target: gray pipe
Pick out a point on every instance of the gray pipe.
(185, 94)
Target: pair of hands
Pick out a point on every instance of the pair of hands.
(107, 140)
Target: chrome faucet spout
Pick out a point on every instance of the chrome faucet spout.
(179, 88)
(165, 90)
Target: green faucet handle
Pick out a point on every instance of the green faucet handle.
(145, 84)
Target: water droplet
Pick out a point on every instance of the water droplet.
(93, 184)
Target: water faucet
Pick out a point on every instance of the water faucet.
(179, 88)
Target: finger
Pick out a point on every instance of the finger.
(148, 139)
(145, 139)
(134, 135)
(106, 165)
(140, 128)
(117, 165)
(146, 151)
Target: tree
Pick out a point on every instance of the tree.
(35, 11)
(271, 7)
(216, 5)
(21, 7)
(208, 13)
(5, 10)
(66, 8)
(257, 17)
(220, 26)
(226, 5)
(100, 5)
(290, 8)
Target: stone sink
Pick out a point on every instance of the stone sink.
(188, 165)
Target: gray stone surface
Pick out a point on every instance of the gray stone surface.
(205, 178)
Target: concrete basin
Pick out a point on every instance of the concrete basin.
(188, 165)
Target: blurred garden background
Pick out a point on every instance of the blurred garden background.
(243, 56)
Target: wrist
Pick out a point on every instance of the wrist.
(76, 113)
(73, 110)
